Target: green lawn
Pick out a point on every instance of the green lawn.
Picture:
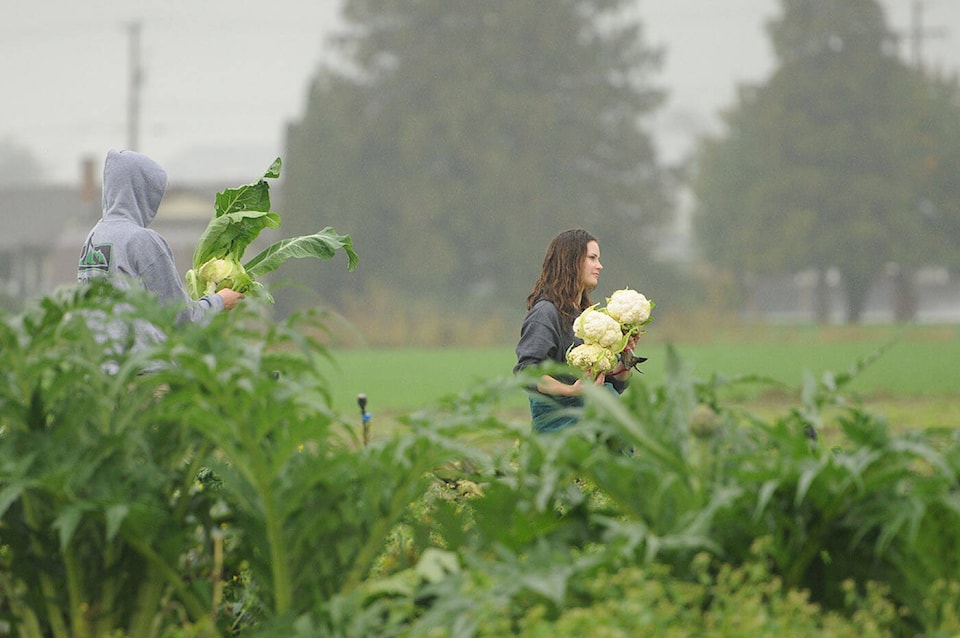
(921, 365)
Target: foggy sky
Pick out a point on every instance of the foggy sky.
(221, 78)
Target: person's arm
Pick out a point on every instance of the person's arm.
(539, 338)
(159, 275)
(540, 341)
(552, 385)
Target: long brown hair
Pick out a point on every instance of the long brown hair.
(560, 279)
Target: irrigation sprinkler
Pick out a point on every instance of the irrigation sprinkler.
(364, 417)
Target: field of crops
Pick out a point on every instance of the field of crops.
(914, 379)
(221, 496)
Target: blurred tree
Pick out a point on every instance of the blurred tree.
(459, 136)
(822, 166)
(940, 187)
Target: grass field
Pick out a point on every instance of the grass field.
(917, 377)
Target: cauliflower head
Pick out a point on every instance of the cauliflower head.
(629, 307)
(597, 327)
(217, 274)
(592, 357)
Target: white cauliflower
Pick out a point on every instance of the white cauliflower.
(592, 357)
(629, 307)
(217, 274)
(596, 327)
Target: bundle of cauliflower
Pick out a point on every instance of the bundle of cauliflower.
(605, 331)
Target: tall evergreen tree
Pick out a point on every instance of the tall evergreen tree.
(460, 135)
(820, 167)
(940, 168)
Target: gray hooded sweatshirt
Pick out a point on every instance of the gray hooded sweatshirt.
(122, 248)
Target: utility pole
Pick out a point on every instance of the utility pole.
(918, 34)
(136, 79)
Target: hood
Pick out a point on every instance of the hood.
(133, 185)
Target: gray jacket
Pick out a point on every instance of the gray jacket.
(122, 248)
(545, 336)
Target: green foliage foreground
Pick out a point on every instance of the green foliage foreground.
(222, 496)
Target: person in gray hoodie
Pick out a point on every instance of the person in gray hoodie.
(122, 248)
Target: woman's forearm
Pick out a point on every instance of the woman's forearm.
(550, 385)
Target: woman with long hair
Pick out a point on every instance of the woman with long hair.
(570, 272)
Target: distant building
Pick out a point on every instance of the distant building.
(791, 298)
(35, 220)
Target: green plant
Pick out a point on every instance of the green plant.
(99, 504)
(129, 501)
(240, 215)
(718, 600)
(877, 507)
(668, 474)
(222, 495)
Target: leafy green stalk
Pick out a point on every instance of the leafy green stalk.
(322, 245)
(109, 593)
(74, 576)
(255, 196)
(159, 575)
(239, 217)
(230, 234)
(279, 559)
(54, 613)
(25, 618)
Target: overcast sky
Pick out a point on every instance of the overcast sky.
(221, 78)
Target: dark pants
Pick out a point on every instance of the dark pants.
(551, 413)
